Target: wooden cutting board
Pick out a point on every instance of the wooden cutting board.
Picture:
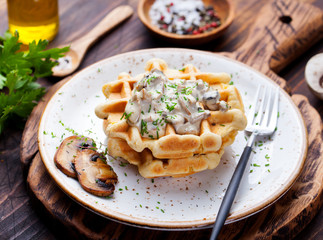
(284, 30)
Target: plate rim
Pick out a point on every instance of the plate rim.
(198, 224)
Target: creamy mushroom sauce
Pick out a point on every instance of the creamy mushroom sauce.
(156, 100)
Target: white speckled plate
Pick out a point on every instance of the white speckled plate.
(175, 203)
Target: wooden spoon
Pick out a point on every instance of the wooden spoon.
(71, 61)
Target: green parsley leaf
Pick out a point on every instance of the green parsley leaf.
(19, 92)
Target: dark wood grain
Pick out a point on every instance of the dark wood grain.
(23, 216)
(29, 149)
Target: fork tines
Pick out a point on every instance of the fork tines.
(264, 110)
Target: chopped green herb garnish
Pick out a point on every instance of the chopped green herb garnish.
(143, 127)
(151, 78)
(123, 164)
(156, 122)
(170, 108)
(173, 86)
(125, 115)
(187, 91)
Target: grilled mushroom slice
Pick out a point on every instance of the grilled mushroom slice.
(67, 151)
(211, 100)
(94, 174)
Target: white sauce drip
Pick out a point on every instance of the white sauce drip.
(156, 100)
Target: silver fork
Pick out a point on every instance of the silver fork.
(262, 120)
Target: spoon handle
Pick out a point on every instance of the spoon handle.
(110, 21)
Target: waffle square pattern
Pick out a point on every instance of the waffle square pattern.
(171, 122)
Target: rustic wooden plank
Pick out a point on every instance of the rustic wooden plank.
(243, 54)
(17, 216)
(128, 37)
(28, 149)
(274, 42)
(297, 83)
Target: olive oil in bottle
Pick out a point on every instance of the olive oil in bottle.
(33, 19)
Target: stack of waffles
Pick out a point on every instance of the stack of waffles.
(172, 154)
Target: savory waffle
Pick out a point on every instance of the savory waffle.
(172, 154)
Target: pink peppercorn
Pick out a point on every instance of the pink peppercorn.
(214, 24)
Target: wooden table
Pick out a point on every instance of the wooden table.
(21, 215)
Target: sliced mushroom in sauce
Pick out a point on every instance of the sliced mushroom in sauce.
(156, 101)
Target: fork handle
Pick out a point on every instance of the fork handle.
(231, 192)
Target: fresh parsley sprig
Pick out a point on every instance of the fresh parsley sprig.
(19, 71)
